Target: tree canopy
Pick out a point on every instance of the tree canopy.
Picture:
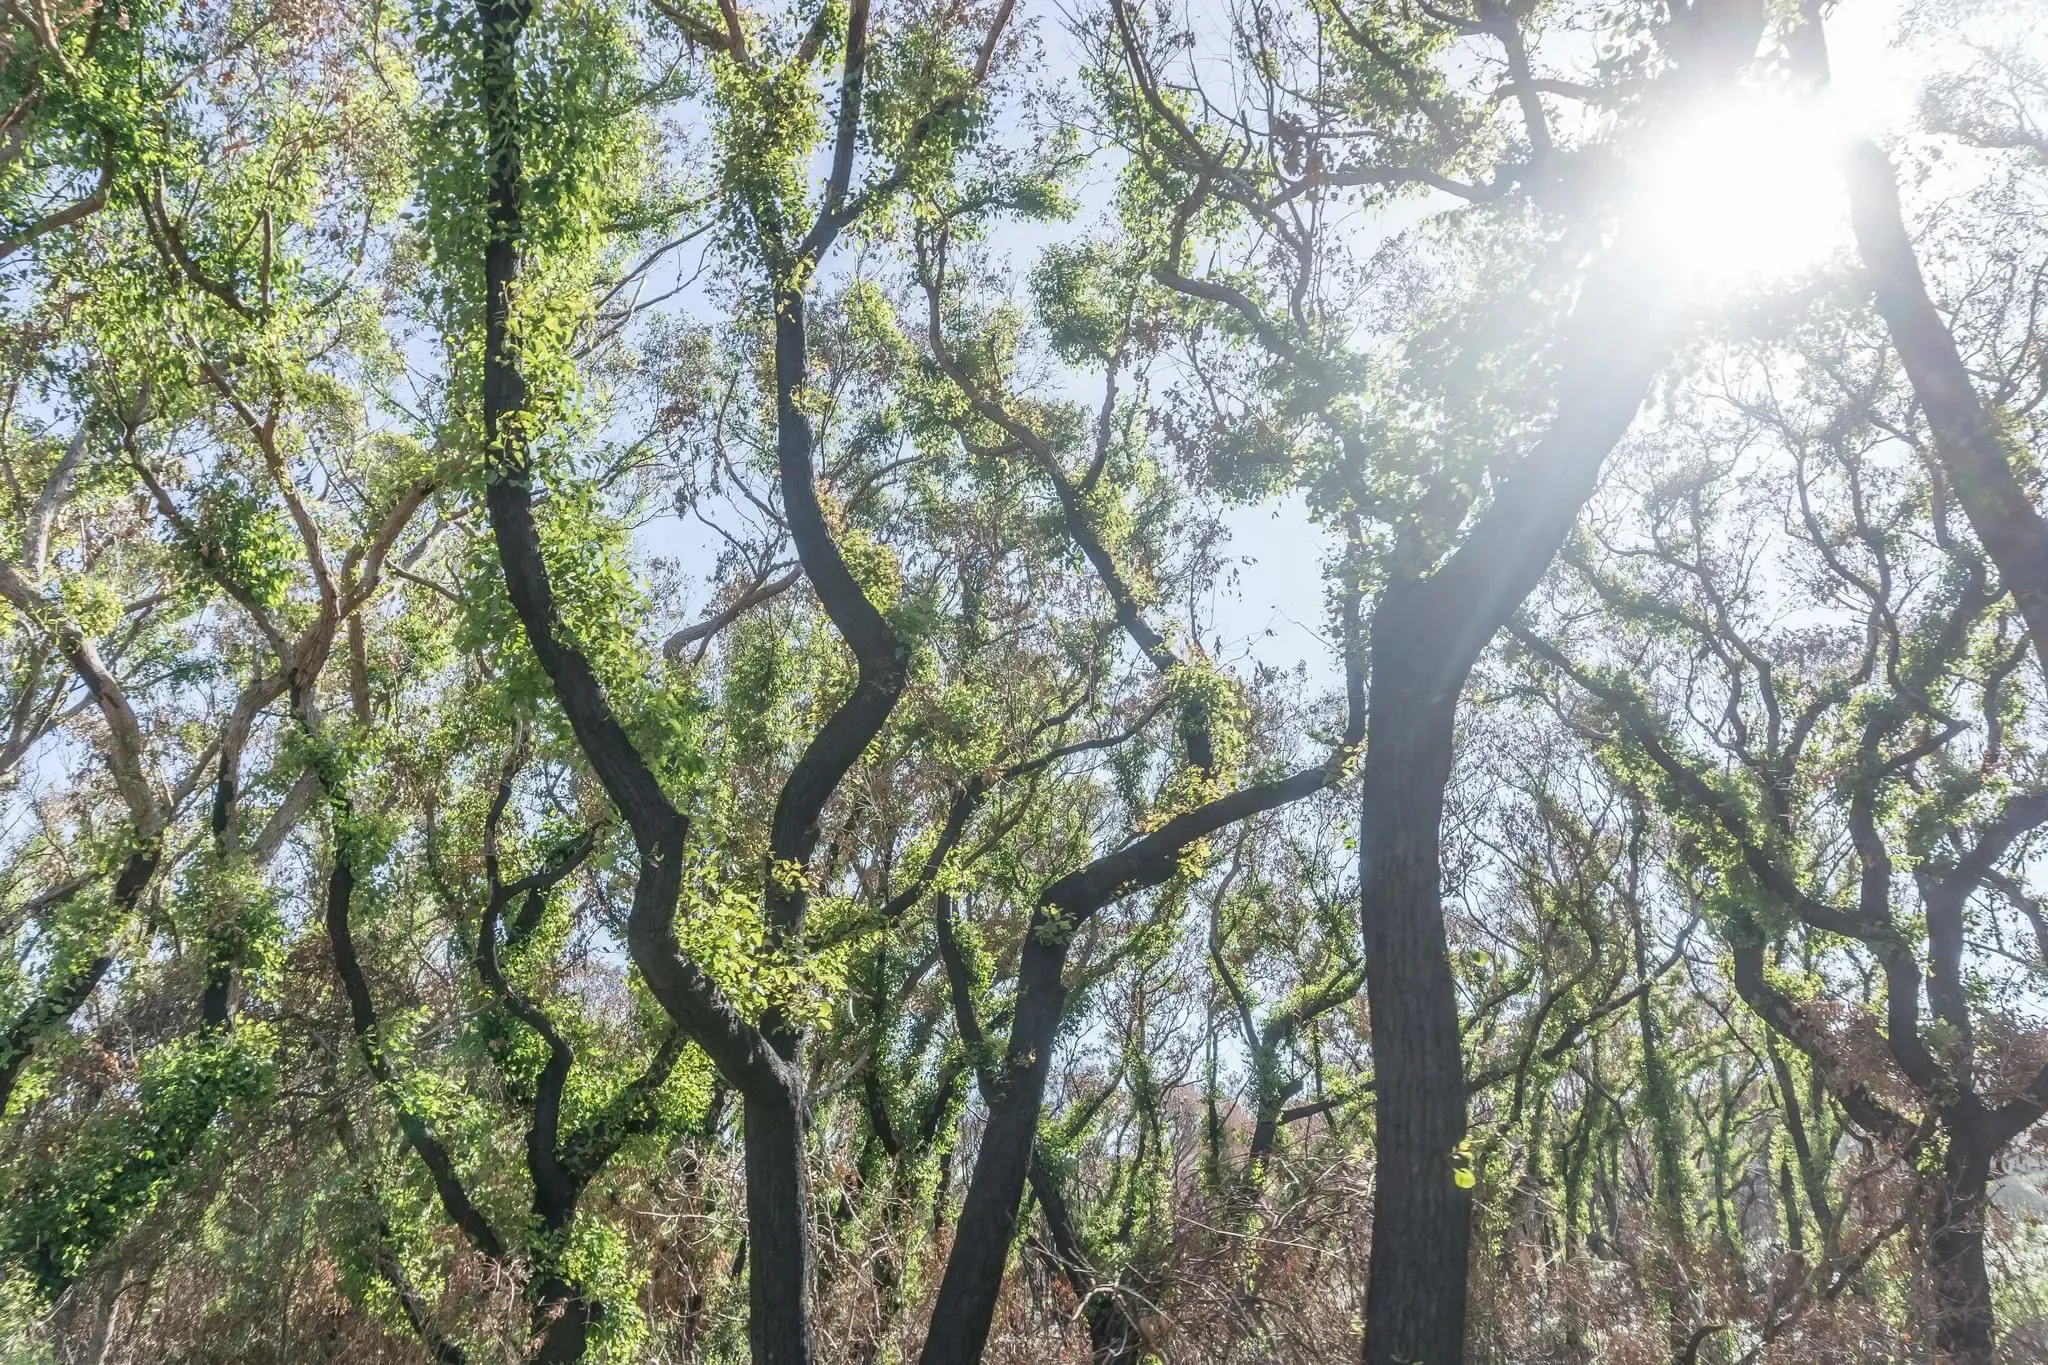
(1299, 680)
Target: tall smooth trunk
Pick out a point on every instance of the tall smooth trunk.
(1422, 1214)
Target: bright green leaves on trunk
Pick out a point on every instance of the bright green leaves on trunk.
(770, 121)
(584, 174)
(229, 917)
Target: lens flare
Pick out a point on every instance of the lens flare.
(1746, 192)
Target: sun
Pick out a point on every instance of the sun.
(1746, 192)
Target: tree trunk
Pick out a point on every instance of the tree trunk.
(778, 1232)
(1968, 446)
(1422, 1215)
(61, 998)
(1015, 1089)
(1960, 1285)
(1270, 1094)
(561, 1318)
(988, 1217)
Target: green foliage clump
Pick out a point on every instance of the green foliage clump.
(70, 1205)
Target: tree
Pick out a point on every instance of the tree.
(1353, 107)
(627, 730)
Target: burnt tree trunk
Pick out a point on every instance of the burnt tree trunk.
(61, 998)
(1422, 1215)
(988, 1217)
(1957, 1279)
(1428, 632)
(778, 1332)
(1113, 1338)
(778, 1230)
(562, 1318)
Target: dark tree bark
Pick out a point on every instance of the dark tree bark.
(1972, 455)
(562, 1319)
(1014, 1088)
(217, 990)
(58, 1001)
(561, 1315)
(417, 1313)
(1430, 623)
(224, 954)
(760, 1067)
(1422, 1215)
(1427, 633)
(988, 1217)
(1959, 1283)
(1975, 460)
(418, 1133)
(1265, 1047)
(1114, 1339)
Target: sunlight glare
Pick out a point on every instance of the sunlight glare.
(1747, 193)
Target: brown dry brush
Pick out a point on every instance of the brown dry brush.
(1272, 1270)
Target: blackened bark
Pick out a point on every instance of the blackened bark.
(1427, 634)
(444, 1351)
(879, 656)
(217, 992)
(1014, 1088)
(1974, 1132)
(690, 997)
(1974, 457)
(1271, 1089)
(60, 999)
(1429, 629)
(562, 1319)
(1811, 1176)
(418, 1133)
(988, 1218)
(1269, 1105)
(778, 1283)
(1969, 450)
(778, 1228)
(1963, 1323)
(1422, 1215)
(1968, 446)
(1194, 722)
(214, 998)
(1113, 1338)
(556, 1189)
(778, 1287)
